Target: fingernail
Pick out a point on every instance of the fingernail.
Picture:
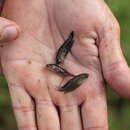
(8, 34)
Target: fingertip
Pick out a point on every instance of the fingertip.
(9, 30)
(9, 33)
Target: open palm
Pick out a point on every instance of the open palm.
(45, 25)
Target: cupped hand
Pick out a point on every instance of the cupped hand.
(45, 25)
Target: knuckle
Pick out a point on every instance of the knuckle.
(23, 108)
(97, 128)
(44, 101)
(69, 107)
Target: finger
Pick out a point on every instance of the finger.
(70, 117)
(47, 116)
(23, 108)
(94, 113)
(115, 68)
(8, 30)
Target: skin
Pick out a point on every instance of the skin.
(45, 24)
(10, 34)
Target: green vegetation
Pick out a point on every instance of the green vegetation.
(118, 109)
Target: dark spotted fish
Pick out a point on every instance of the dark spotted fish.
(65, 49)
(74, 83)
(58, 69)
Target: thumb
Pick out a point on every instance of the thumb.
(8, 30)
(115, 68)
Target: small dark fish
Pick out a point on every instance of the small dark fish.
(74, 83)
(58, 69)
(65, 48)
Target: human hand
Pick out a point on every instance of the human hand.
(36, 102)
(8, 30)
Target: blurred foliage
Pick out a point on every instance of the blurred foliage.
(118, 109)
(7, 120)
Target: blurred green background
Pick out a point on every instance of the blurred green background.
(118, 109)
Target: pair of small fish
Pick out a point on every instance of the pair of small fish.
(77, 80)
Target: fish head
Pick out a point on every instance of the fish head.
(82, 78)
(51, 66)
